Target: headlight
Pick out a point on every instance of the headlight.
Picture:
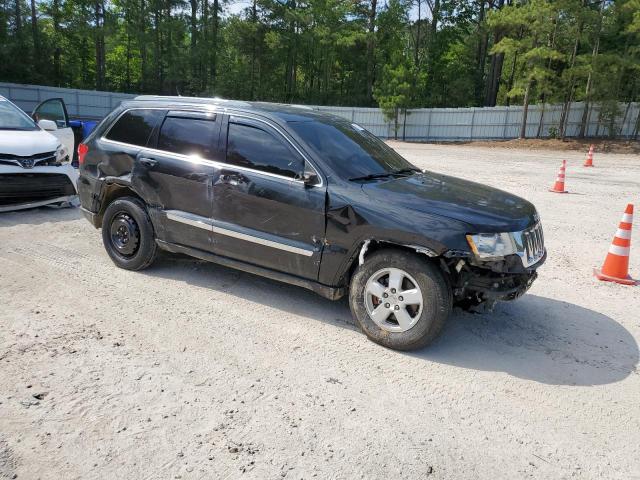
(492, 245)
(62, 154)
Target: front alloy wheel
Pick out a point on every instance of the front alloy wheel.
(400, 299)
(393, 299)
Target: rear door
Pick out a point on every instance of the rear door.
(263, 213)
(55, 110)
(176, 174)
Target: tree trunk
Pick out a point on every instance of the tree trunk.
(371, 27)
(512, 75)
(541, 122)
(416, 53)
(594, 55)
(566, 106)
(57, 52)
(584, 121)
(433, 30)
(99, 45)
(84, 62)
(34, 35)
(624, 118)
(493, 81)
(404, 126)
(142, 43)
(204, 71)
(157, 47)
(564, 115)
(395, 123)
(127, 77)
(213, 63)
(18, 13)
(291, 67)
(525, 111)
(193, 46)
(495, 70)
(254, 20)
(481, 56)
(171, 85)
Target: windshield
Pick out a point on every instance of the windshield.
(350, 150)
(12, 118)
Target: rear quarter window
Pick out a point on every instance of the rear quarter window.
(135, 126)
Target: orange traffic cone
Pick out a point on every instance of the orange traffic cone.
(589, 161)
(558, 187)
(616, 265)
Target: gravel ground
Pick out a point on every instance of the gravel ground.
(190, 370)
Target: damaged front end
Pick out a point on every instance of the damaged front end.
(475, 282)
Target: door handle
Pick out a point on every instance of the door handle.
(231, 179)
(149, 162)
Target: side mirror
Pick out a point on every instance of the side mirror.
(310, 178)
(48, 125)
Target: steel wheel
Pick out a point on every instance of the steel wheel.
(125, 234)
(393, 299)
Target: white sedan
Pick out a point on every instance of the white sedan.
(35, 165)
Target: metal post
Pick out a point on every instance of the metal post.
(473, 117)
(506, 122)
(404, 126)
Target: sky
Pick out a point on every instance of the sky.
(236, 6)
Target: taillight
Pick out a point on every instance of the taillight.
(82, 151)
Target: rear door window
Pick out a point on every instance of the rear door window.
(189, 135)
(253, 147)
(135, 126)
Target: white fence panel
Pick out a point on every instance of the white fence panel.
(84, 104)
(422, 124)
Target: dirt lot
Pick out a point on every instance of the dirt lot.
(190, 370)
(581, 145)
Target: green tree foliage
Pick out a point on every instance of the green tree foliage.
(393, 53)
(529, 33)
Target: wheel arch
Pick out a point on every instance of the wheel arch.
(113, 190)
(368, 246)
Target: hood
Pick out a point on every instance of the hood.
(27, 143)
(484, 208)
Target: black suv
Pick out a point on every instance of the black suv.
(309, 199)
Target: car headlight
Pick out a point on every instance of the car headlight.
(62, 154)
(492, 245)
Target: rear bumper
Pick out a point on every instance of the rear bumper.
(22, 188)
(92, 217)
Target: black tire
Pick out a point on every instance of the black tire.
(129, 214)
(436, 299)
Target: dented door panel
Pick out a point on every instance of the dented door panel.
(173, 183)
(270, 222)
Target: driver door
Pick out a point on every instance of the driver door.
(55, 110)
(263, 213)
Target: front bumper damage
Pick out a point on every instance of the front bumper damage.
(476, 282)
(23, 188)
(70, 200)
